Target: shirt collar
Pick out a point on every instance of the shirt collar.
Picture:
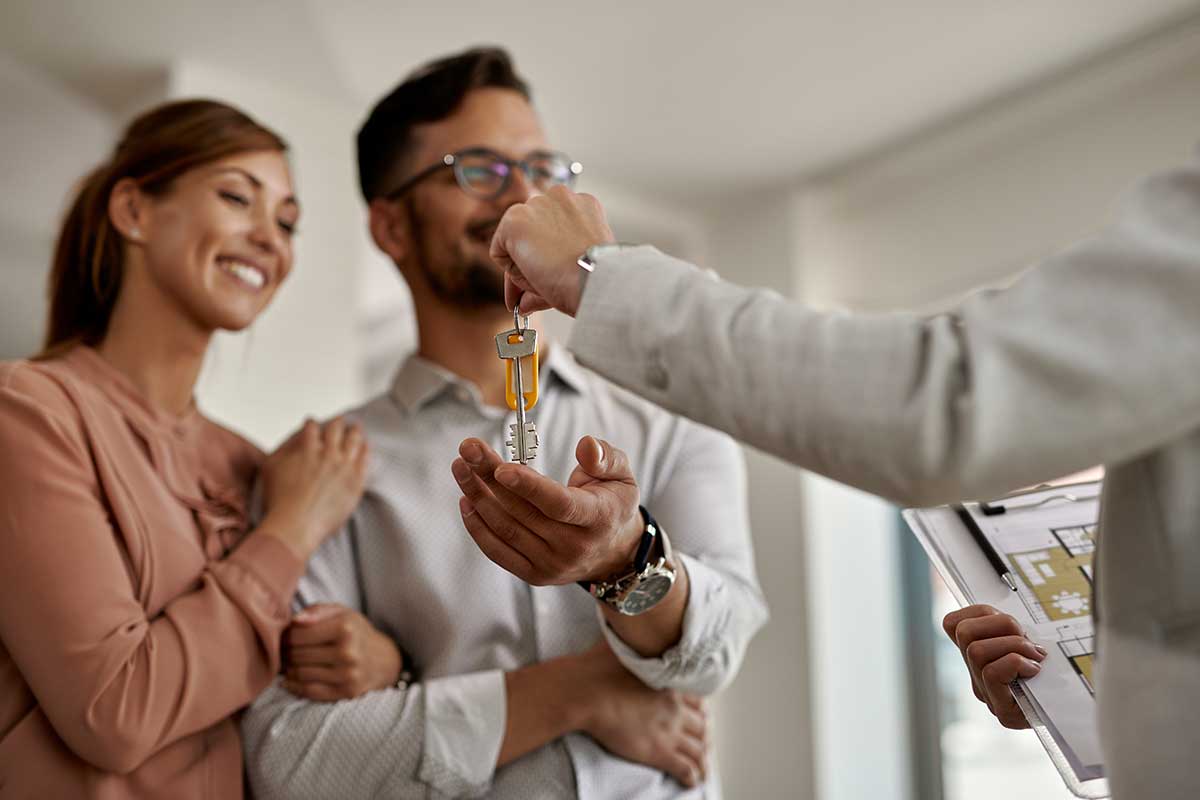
(418, 381)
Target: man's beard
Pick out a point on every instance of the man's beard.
(468, 284)
(465, 282)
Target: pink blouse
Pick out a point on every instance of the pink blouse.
(136, 614)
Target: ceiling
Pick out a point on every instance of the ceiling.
(676, 99)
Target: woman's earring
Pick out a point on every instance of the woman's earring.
(135, 234)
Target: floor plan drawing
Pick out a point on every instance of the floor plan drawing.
(1056, 577)
(1081, 652)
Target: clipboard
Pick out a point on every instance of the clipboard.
(1060, 714)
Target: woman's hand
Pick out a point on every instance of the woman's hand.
(312, 483)
(335, 653)
(663, 729)
(997, 652)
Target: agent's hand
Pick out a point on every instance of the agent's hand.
(996, 652)
(544, 532)
(312, 483)
(335, 653)
(661, 728)
(538, 244)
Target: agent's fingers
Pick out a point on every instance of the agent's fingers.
(989, 626)
(950, 621)
(996, 679)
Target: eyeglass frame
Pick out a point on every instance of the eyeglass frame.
(452, 160)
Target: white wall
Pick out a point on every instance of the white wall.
(49, 138)
(763, 734)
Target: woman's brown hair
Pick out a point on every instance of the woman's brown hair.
(157, 147)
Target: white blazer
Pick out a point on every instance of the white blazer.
(1092, 357)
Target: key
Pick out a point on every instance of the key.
(518, 348)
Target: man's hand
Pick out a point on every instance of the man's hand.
(538, 244)
(662, 728)
(997, 652)
(334, 653)
(546, 533)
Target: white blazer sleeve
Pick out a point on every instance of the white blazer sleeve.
(1093, 356)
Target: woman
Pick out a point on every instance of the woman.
(138, 613)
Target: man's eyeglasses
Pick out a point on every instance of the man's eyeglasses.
(486, 174)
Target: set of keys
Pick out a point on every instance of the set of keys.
(518, 348)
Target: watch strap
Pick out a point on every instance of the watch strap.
(642, 557)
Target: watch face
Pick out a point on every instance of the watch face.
(647, 594)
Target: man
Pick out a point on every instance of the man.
(523, 691)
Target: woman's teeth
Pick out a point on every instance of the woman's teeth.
(247, 274)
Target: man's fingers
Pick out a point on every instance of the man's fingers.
(682, 768)
(319, 674)
(317, 612)
(483, 461)
(503, 524)
(323, 630)
(497, 551)
(321, 656)
(695, 724)
(561, 503)
(693, 750)
(603, 461)
(321, 692)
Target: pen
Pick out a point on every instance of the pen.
(992, 556)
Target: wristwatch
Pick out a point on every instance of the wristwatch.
(647, 582)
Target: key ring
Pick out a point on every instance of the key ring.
(518, 325)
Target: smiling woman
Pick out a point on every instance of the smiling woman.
(138, 611)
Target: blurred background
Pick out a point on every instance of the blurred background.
(871, 156)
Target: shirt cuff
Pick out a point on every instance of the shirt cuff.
(464, 728)
(693, 663)
(273, 569)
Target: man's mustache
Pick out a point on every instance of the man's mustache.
(483, 229)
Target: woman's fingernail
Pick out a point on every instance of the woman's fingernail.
(1041, 650)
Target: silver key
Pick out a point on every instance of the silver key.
(523, 436)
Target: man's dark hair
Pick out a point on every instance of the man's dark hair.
(430, 93)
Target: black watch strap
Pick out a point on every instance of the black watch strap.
(645, 546)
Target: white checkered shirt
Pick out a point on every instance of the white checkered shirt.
(406, 561)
